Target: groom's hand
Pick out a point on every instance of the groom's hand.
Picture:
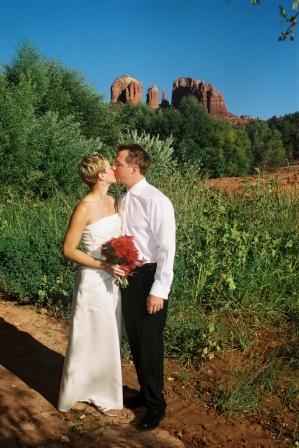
(154, 304)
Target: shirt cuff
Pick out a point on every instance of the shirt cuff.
(159, 291)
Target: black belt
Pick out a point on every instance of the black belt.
(148, 265)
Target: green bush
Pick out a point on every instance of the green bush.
(63, 91)
(234, 252)
(32, 267)
(161, 152)
(288, 126)
(49, 119)
(266, 144)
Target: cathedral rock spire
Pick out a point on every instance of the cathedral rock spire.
(152, 97)
(126, 89)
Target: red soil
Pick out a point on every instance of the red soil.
(32, 348)
(286, 179)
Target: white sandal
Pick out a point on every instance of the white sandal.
(109, 412)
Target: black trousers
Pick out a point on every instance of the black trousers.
(145, 335)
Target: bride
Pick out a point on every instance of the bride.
(92, 366)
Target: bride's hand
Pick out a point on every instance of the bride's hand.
(114, 270)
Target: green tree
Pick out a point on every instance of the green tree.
(64, 91)
(288, 125)
(196, 123)
(69, 94)
(163, 123)
(192, 136)
(48, 121)
(17, 122)
(29, 65)
(232, 150)
(137, 117)
(218, 148)
(266, 144)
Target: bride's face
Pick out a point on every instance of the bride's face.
(109, 173)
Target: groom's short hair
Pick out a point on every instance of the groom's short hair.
(136, 156)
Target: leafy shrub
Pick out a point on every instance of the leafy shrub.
(266, 145)
(288, 126)
(49, 119)
(234, 252)
(162, 163)
(32, 267)
(64, 91)
(46, 155)
(57, 147)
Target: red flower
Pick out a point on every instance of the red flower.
(122, 251)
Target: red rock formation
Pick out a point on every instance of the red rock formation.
(216, 103)
(235, 119)
(126, 89)
(152, 97)
(164, 103)
(206, 94)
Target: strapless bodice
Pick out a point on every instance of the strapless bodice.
(99, 232)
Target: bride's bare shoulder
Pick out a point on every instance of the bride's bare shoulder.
(89, 201)
(89, 197)
(83, 206)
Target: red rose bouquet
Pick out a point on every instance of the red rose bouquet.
(122, 251)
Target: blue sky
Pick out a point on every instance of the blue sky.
(228, 43)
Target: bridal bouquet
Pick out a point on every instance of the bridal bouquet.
(122, 251)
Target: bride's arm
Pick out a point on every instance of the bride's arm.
(72, 238)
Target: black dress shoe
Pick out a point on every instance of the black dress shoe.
(134, 402)
(151, 420)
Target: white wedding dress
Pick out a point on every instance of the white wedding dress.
(92, 366)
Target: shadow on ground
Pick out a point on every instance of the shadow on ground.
(43, 365)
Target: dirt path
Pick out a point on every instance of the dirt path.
(31, 356)
(286, 179)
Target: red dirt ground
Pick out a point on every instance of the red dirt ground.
(287, 179)
(32, 348)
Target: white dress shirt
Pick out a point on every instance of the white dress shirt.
(148, 216)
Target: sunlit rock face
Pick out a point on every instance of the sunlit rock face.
(152, 97)
(212, 100)
(126, 89)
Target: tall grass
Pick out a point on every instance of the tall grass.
(234, 252)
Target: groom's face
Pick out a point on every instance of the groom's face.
(123, 172)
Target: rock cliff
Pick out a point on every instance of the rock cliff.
(126, 89)
(206, 94)
(152, 97)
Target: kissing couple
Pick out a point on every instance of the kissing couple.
(92, 366)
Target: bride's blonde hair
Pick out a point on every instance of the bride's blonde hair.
(90, 166)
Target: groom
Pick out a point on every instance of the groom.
(148, 216)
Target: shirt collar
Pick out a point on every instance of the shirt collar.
(138, 187)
